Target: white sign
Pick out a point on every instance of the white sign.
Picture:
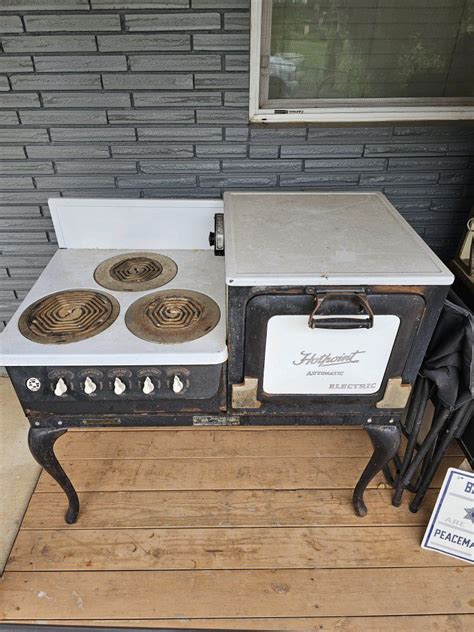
(301, 360)
(451, 527)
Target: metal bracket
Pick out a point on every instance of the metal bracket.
(396, 394)
(465, 255)
(245, 395)
(216, 420)
(216, 237)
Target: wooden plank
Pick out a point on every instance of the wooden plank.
(424, 623)
(222, 442)
(222, 594)
(108, 510)
(257, 548)
(209, 473)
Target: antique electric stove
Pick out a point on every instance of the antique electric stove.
(326, 301)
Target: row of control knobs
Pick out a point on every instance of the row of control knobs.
(119, 386)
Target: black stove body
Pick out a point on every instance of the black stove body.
(249, 313)
(203, 390)
(255, 387)
(200, 401)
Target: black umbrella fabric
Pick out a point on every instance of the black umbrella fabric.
(448, 363)
(447, 378)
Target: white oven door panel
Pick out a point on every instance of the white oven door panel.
(304, 361)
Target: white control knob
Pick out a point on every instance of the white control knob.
(89, 386)
(119, 386)
(148, 386)
(60, 388)
(177, 384)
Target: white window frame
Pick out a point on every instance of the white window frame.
(336, 114)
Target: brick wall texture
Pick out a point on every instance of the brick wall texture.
(148, 98)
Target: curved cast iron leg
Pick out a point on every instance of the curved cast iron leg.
(386, 441)
(41, 442)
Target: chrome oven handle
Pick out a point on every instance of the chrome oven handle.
(325, 312)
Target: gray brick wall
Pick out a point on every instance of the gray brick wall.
(148, 98)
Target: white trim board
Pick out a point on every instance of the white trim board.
(362, 115)
(19, 472)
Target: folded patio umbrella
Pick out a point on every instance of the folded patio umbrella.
(447, 378)
(448, 363)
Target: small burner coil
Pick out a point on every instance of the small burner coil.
(135, 272)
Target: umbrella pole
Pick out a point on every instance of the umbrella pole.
(413, 425)
(459, 416)
(436, 426)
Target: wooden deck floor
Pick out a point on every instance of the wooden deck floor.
(247, 528)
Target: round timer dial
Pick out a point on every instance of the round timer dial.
(33, 384)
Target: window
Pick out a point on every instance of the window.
(361, 60)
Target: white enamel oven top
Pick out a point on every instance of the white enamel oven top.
(198, 270)
(303, 238)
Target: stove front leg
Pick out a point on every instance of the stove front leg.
(386, 441)
(41, 443)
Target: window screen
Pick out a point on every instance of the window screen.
(367, 49)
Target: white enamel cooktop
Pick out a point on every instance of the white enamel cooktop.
(71, 268)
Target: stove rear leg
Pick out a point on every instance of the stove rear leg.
(386, 441)
(41, 442)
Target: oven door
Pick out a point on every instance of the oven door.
(336, 346)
